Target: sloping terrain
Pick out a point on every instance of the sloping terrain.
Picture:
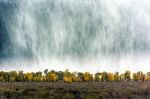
(78, 90)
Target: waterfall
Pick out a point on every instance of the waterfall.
(76, 34)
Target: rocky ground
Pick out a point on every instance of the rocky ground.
(77, 90)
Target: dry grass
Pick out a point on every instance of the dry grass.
(77, 90)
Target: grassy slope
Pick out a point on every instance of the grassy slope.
(78, 90)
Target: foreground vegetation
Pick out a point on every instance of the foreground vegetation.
(67, 76)
(75, 90)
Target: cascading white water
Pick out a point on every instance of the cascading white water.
(80, 35)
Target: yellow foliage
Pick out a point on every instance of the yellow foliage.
(75, 79)
(87, 76)
(135, 77)
(110, 76)
(37, 78)
(147, 78)
(117, 78)
(53, 77)
(29, 76)
(68, 79)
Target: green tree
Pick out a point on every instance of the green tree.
(135, 77)
(140, 76)
(80, 75)
(20, 76)
(45, 71)
(98, 77)
(38, 76)
(104, 76)
(127, 75)
(12, 76)
(6, 76)
(2, 76)
(60, 75)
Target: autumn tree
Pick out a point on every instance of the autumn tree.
(122, 77)
(147, 77)
(110, 77)
(75, 77)
(37, 76)
(98, 77)
(87, 76)
(135, 77)
(51, 76)
(116, 76)
(148, 73)
(67, 76)
(28, 77)
(141, 76)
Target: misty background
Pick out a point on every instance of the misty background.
(81, 35)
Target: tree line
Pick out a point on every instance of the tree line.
(68, 77)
